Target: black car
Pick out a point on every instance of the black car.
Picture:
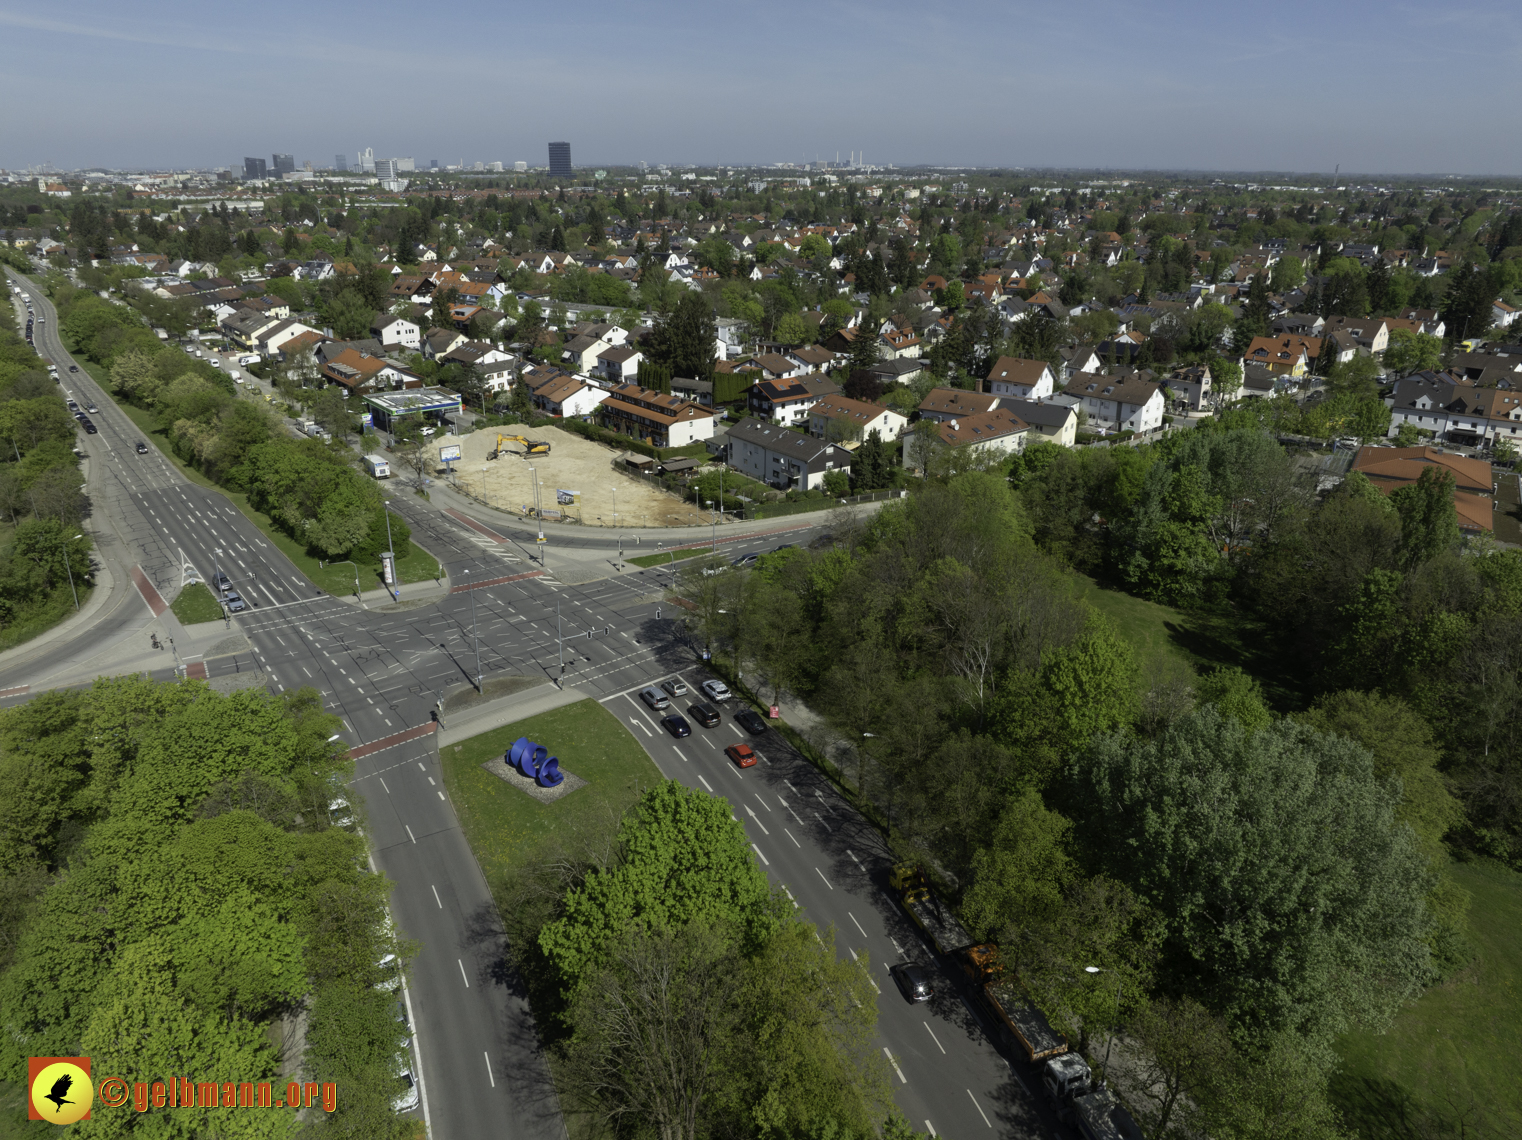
(706, 715)
(142, 448)
(90, 429)
(677, 725)
(784, 546)
(73, 368)
(750, 721)
(913, 981)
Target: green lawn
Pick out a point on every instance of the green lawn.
(42, 615)
(669, 556)
(334, 578)
(505, 826)
(1149, 627)
(1448, 1066)
(195, 604)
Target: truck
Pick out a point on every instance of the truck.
(1008, 1004)
(1100, 1116)
(932, 916)
(1066, 1077)
(378, 466)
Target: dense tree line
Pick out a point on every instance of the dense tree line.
(172, 895)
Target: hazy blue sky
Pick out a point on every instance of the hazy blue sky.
(1430, 87)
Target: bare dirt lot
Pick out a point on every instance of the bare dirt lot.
(573, 464)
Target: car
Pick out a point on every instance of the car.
(745, 561)
(428, 429)
(73, 368)
(715, 690)
(750, 721)
(340, 814)
(92, 409)
(706, 715)
(234, 603)
(142, 448)
(913, 981)
(784, 546)
(90, 429)
(743, 755)
(407, 1099)
(677, 725)
(676, 687)
(822, 541)
(80, 416)
(221, 581)
(389, 968)
(73, 406)
(655, 699)
(215, 363)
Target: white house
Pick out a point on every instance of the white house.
(840, 417)
(1115, 403)
(998, 432)
(659, 419)
(568, 396)
(782, 458)
(1026, 379)
(391, 331)
(619, 364)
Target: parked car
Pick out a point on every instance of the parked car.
(90, 429)
(676, 687)
(750, 721)
(655, 699)
(73, 406)
(745, 561)
(743, 755)
(677, 725)
(428, 429)
(706, 715)
(407, 1099)
(715, 690)
(913, 981)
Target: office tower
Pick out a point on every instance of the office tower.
(520, 166)
(282, 164)
(367, 160)
(253, 169)
(433, 164)
(560, 160)
(385, 169)
(340, 162)
(405, 166)
(497, 166)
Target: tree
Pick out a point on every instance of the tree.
(871, 469)
(1185, 1053)
(332, 412)
(1429, 522)
(350, 315)
(1306, 913)
(684, 339)
(863, 385)
(792, 329)
(1413, 352)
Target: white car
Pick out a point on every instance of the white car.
(428, 429)
(715, 690)
(407, 1099)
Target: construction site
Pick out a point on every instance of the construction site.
(579, 480)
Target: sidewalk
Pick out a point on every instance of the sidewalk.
(407, 595)
(508, 710)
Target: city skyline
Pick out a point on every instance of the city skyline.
(1175, 87)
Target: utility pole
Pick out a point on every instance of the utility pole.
(474, 641)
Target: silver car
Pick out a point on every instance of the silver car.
(715, 690)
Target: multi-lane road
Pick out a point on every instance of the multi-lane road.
(382, 673)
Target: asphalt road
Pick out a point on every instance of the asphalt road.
(948, 1078)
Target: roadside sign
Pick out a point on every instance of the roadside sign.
(448, 452)
(388, 567)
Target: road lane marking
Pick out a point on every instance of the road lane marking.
(977, 1106)
(763, 802)
(903, 1079)
(678, 751)
(930, 1128)
(707, 785)
(410, 835)
(764, 859)
(383, 784)
(493, 1079)
(820, 873)
(933, 1037)
(822, 823)
(759, 824)
(854, 859)
(636, 720)
(852, 917)
(794, 838)
(462, 974)
(441, 795)
(436, 898)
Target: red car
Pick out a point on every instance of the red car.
(743, 755)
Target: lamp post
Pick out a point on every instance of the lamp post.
(1111, 1039)
(358, 597)
(69, 570)
(615, 518)
(475, 644)
(216, 566)
(391, 549)
(714, 529)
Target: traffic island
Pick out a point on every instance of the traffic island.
(499, 767)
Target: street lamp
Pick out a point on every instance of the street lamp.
(475, 644)
(1111, 1039)
(70, 570)
(358, 597)
(615, 517)
(714, 528)
(391, 549)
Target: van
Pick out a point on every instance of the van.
(237, 377)
(378, 466)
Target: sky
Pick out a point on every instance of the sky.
(1295, 86)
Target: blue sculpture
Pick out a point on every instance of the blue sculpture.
(534, 762)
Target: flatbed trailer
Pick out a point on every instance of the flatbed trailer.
(946, 934)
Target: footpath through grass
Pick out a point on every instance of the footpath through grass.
(1448, 1066)
(506, 827)
(333, 578)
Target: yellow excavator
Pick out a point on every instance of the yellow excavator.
(530, 446)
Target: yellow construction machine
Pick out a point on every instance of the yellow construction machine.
(530, 446)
